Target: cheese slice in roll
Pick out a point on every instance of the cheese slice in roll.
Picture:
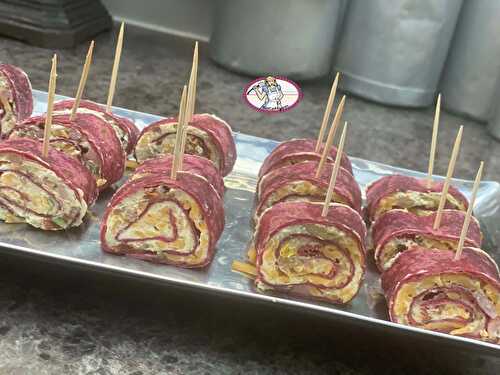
(207, 136)
(430, 290)
(398, 230)
(161, 220)
(87, 138)
(50, 193)
(296, 151)
(300, 252)
(125, 129)
(299, 183)
(17, 100)
(410, 193)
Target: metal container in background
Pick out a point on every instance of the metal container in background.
(494, 113)
(473, 64)
(393, 51)
(294, 38)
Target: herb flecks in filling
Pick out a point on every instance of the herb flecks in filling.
(33, 194)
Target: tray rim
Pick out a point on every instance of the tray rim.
(304, 306)
(289, 302)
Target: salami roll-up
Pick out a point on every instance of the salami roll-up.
(191, 163)
(296, 151)
(410, 193)
(87, 138)
(299, 183)
(51, 193)
(398, 230)
(125, 129)
(303, 253)
(157, 219)
(430, 290)
(207, 136)
(16, 87)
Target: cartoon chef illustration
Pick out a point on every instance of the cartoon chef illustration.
(268, 91)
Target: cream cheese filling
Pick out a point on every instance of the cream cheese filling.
(145, 215)
(387, 255)
(120, 133)
(288, 265)
(297, 191)
(61, 139)
(147, 148)
(9, 119)
(43, 200)
(444, 317)
(419, 203)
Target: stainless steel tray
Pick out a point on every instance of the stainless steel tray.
(81, 246)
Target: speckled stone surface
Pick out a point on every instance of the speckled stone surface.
(59, 321)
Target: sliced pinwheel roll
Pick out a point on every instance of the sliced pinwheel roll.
(191, 163)
(88, 139)
(161, 220)
(303, 253)
(296, 151)
(398, 230)
(207, 136)
(50, 193)
(125, 129)
(410, 193)
(16, 87)
(430, 290)
(299, 183)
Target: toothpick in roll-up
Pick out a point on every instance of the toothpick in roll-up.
(449, 174)
(326, 114)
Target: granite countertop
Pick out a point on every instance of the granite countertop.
(55, 320)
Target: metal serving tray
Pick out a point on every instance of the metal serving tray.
(81, 245)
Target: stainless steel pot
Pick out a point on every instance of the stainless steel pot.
(294, 38)
(494, 113)
(473, 64)
(393, 51)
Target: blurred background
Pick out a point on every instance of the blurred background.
(394, 58)
(399, 52)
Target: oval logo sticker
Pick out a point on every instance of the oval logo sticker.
(272, 94)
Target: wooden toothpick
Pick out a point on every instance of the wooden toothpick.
(83, 81)
(331, 136)
(178, 135)
(447, 181)
(193, 79)
(50, 107)
(432, 154)
(335, 172)
(191, 100)
(468, 215)
(116, 65)
(326, 114)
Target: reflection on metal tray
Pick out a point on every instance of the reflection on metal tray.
(81, 245)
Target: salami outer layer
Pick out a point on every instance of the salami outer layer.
(15, 82)
(302, 253)
(429, 289)
(207, 136)
(88, 138)
(298, 150)
(50, 193)
(157, 219)
(398, 230)
(191, 163)
(397, 191)
(125, 129)
(298, 182)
